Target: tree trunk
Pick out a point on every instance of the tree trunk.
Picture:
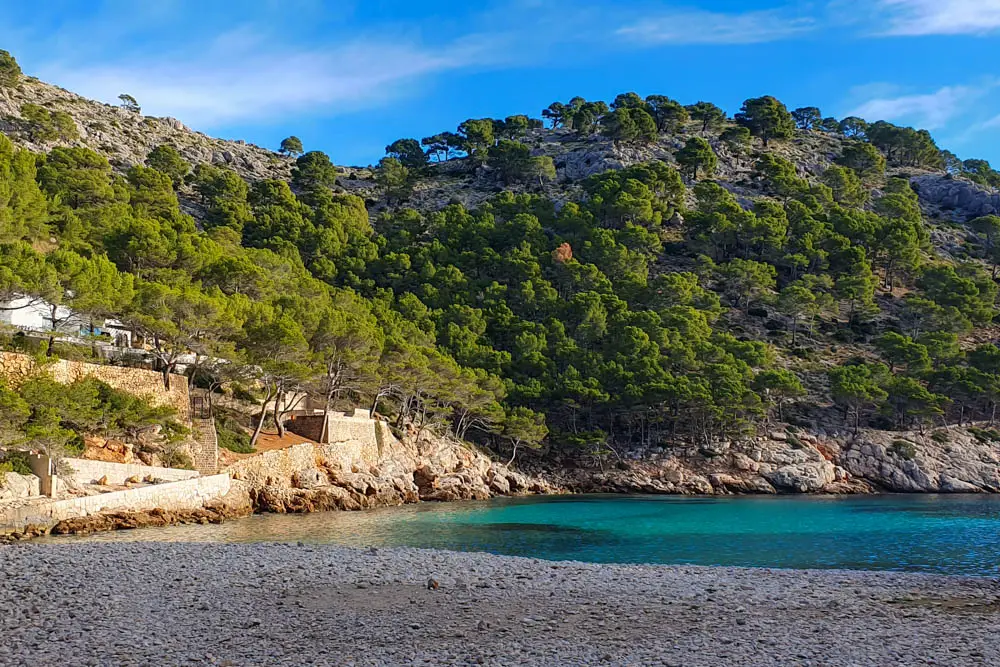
(276, 417)
(513, 456)
(260, 422)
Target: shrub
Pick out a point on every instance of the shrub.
(757, 312)
(231, 435)
(985, 435)
(16, 461)
(175, 458)
(904, 449)
(940, 437)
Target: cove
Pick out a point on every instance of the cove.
(915, 533)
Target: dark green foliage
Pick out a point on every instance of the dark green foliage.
(706, 113)
(621, 309)
(52, 416)
(697, 156)
(166, 160)
(409, 153)
(766, 118)
(10, 71)
(807, 118)
(314, 170)
(511, 160)
(630, 125)
(291, 146)
(231, 435)
(45, 126)
(129, 103)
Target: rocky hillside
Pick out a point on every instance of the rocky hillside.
(125, 137)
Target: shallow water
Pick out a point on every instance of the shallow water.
(921, 533)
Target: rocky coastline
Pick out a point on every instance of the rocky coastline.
(426, 468)
(280, 604)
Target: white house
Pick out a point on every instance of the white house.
(35, 315)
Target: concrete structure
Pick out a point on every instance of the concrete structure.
(85, 471)
(188, 494)
(337, 427)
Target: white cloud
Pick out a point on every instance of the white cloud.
(929, 111)
(703, 27)
(243, 76)
(941, 17)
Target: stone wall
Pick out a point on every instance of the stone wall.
(308, 426)
(340, 428)
(184, 495)
(275, 468)
(16, 368)
(86, 471)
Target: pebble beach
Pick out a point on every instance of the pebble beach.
(292, 604)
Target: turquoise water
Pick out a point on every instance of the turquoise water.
(941, 534)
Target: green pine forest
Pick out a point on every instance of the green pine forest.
(644, 307)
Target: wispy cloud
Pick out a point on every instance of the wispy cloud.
(704, 27)
(930, 111)
(941, 17)
(244, 76)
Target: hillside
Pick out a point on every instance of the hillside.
(639, 278)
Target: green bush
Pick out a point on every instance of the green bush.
(231, 435)
(904, 449)
(174, 458)
(940, 437)
(55, 417)
(15, 461)
(985, 435)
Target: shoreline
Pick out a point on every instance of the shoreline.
(279, 604)
(240, 506)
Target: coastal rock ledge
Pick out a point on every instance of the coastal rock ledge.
(952, 460)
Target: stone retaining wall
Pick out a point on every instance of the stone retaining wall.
(86, 471)
(340, 428)
(16, 368)
(184, 495)
(275, 468)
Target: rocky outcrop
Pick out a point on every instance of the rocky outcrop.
(944, 196)
(347, 476)
(126, 137)
(954, 460)
(14, 486)
(946, 461)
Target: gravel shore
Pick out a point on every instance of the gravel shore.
(277, 604)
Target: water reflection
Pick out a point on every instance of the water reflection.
(947, 534)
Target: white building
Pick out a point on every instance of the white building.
(34, 315)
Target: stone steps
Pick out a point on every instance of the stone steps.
(206, 455)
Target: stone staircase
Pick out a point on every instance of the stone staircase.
(206, 455)
(206, 452)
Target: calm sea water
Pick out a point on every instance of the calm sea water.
(941, 534)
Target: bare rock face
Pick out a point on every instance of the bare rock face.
(954, 198)
(14, 486)
(109, 451)
(126, 137)
(310, 478)
(945, 461)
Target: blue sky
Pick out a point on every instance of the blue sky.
(350, 76)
